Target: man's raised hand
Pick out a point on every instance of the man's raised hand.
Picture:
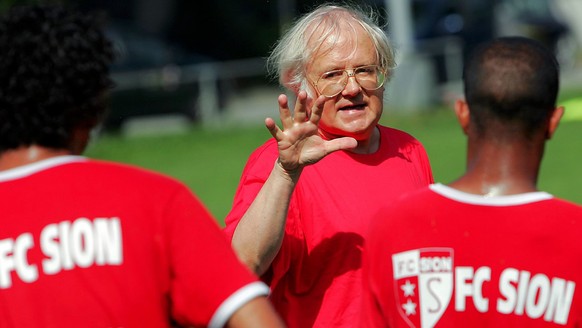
(298, 141)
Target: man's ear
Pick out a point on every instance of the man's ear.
(463, 115)
(554, 121)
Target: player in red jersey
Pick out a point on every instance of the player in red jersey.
(489, 249)
(305, 197)
(86, 243)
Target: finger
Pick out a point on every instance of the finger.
(273, 128)
(284, 111)
(343, 143)
(317, 109)
(300, 113)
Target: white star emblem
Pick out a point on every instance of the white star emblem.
(408, 288)
(409, 307)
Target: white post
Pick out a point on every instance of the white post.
(208, 95)
(286, 11)
(400, 25)
(412, 85)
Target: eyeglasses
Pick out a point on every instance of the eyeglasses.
(332, 83)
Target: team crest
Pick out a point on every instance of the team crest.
(423, 281)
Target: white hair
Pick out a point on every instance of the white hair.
(293, 52)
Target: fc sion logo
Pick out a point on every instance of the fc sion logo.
(423, 284)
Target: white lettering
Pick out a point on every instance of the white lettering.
(50, 248)
(406, 264)
(108, 245)
(25, 271)
(436, 264)
(6, 262)
(65, 245)
(560, 301)
(82, 242)
(64, 240)
(13, 257)
(522, 291)
(462, 287)
(535, 297)
(508, 278)
(538, 289)
(482, 275)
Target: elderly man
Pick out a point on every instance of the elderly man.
(307, 195)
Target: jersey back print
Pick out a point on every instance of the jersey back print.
(473, 261)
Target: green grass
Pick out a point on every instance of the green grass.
(210, 161)
(446, 146)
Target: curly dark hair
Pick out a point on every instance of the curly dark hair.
(54, 75)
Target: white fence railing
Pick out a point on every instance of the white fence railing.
(206, 77)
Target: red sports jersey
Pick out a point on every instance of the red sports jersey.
(316, 277)
(87, 243)
(445, 258)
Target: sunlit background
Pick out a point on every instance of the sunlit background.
(197, 68)
(204, 60)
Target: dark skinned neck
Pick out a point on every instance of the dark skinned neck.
(497, 170)
(27, 155)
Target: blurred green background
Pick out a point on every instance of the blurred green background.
(210, 160)
(204, 61)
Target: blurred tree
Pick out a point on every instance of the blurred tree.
(6, 4)
(231, 29)
(221, 29)
(226, 29)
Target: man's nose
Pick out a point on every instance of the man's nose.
(352, 86)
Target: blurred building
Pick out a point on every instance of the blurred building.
(197, 58)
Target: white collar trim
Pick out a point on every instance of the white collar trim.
(26, 170)
(507, 200)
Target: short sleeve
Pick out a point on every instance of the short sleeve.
(205, 272)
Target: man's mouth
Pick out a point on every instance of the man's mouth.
(354, 107)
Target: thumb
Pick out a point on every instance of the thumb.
(340, 144)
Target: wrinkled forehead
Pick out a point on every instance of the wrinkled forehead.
(339, 33)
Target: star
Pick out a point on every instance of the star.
(408, 288)
(409, 307)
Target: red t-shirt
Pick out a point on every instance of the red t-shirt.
(86, 243)
(315, 279)
(444, 258)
